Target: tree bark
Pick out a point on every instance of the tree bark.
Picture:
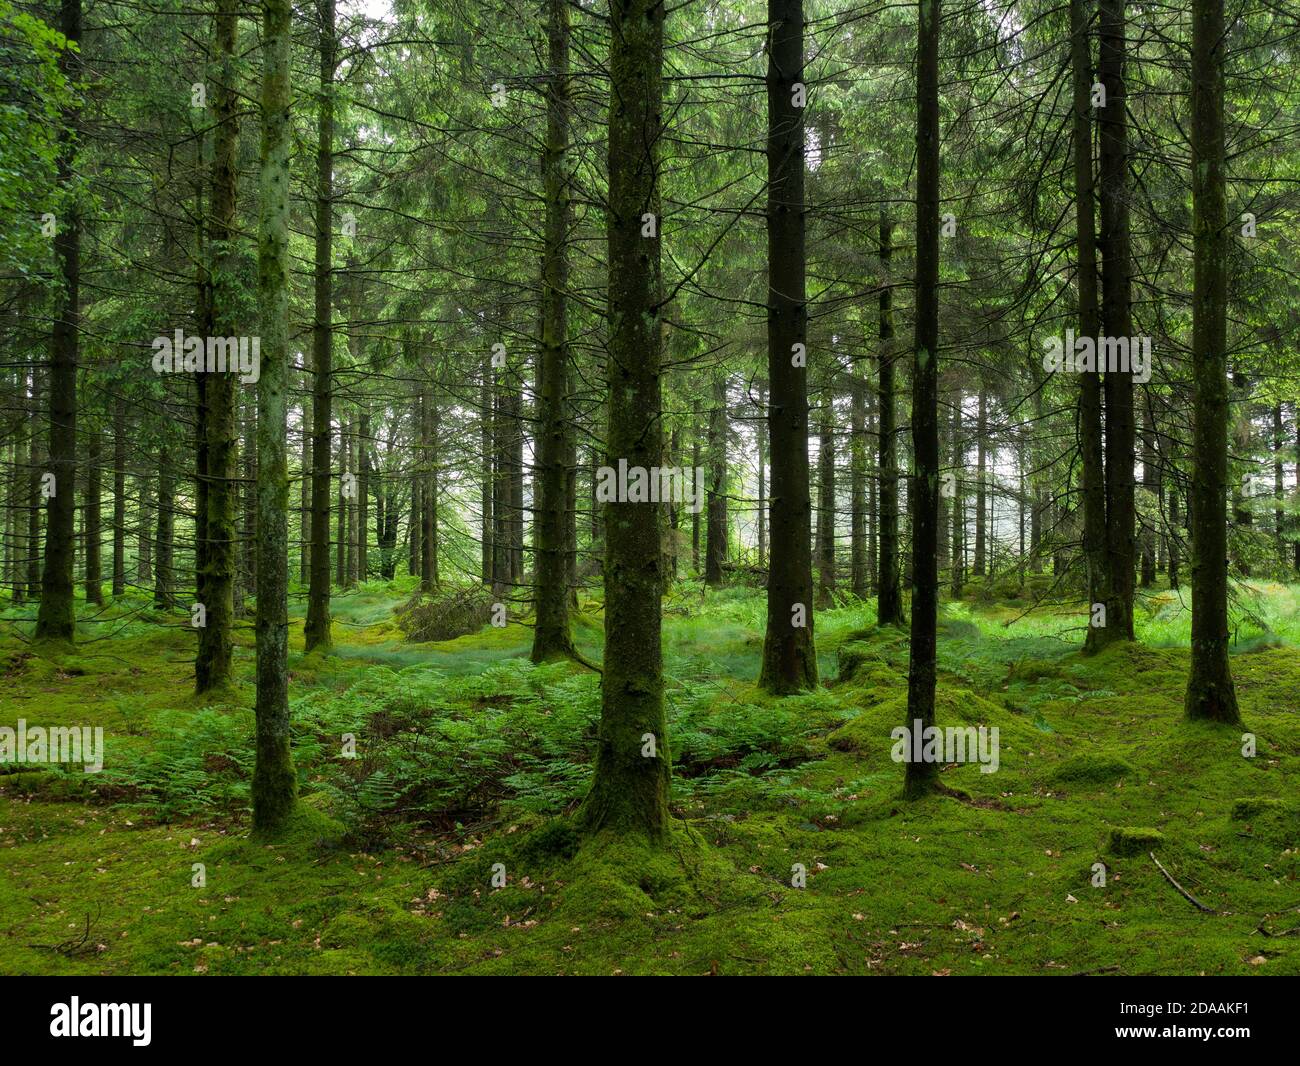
(789, 658)
(316, 632)
(1117, 320)
(629, 792)
(275, 783)
(889, 594)
(1210, 691)
(923, 497)
(56, 616)
(551, 634)
(221, 456)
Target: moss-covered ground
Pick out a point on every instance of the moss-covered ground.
(996, 875)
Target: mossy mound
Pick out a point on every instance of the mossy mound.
(1089, 769)
(1133, 840)
(869, 731)
(445, 615)
(1243, 810)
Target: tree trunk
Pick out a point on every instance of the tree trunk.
(316, 632)
(629, 792)
(119, 499)
(715, 551)
(1117, 320)
(551, 635)
(958, 575)
(789, 659)
(56, 617)
(923, 497)
(859, 572)
(1210, 691)
(163, 539)
(889, 594)
(275, 784)
(93, 518)
(221, 446)
(826, 505)
(979, 568)
(1096, 559)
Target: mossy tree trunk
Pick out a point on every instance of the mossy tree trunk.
(56, 617)
(551, 634)
(1096, 559)
(119, 497)
(164, 536)
(629, 793)
(978, 564)
(93, 518)
(317, 630)
(889, 593)
(221, 446)
(789, 659)
(1210, 691)
(826, 503)
(715, 548)
(1117, 319)
(274, 782)
(923, 497)
(859, 575)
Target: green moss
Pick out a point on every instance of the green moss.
(1243, 810)
(1089, 769)
(980, 885)
(1134, 840)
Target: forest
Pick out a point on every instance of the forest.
(566, 487)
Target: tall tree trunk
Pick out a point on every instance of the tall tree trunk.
(826, 505)
(275, 784)
(363, 497)
(429, 490)
(923, 497)
(487, 453)
(1117, 319)
(958, 576)
(860, 576)
(1096, 559)
(629, 792)
(56, 617)
(341, 518)
(164, 536)
(221, 446)
(304, 487)
(715, 550)
(1174, 534)
(789, 658)
(551, 634)
(1150, 496)
(695, 465)
(317, 629)
(1210, 691)
(980, 569)
(144, 529)
(889, 594)
(1279, 483)
(119, 498)
(34, 509)
(93, 518)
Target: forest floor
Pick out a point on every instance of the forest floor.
(469, 756)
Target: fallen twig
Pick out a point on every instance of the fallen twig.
(1185, 894)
